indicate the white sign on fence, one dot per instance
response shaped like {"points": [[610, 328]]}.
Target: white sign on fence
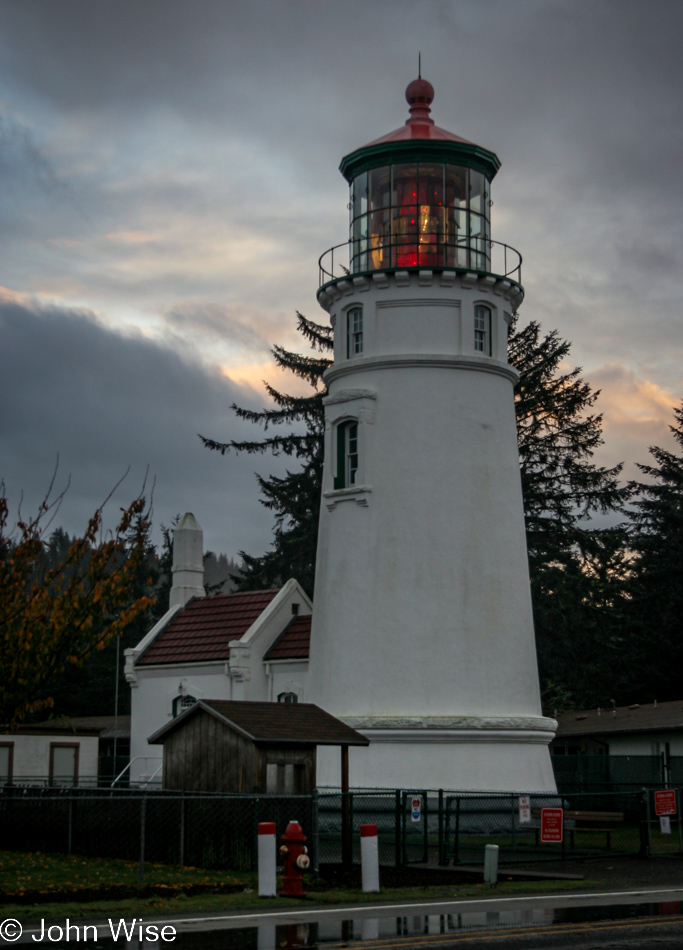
{"points": [[524, 809], [415, 808], [665, 824]]}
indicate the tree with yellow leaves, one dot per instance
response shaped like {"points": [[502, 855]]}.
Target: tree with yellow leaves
{"points": [[56, 615]]}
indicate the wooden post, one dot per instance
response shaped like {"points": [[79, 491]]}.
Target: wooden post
{"points": [[345, 809]]}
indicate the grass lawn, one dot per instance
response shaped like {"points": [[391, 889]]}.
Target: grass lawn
{"points": [[24, 874]]}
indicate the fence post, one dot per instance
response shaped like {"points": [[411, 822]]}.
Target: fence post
{"points": [[71, 821], [254, 850], [456, 843], [677, 793], [425, 857], [182, 830], [143, 809], [512, 820], [645, 825], [315, 832], [442, 845], [404, 829], [397, 828]]}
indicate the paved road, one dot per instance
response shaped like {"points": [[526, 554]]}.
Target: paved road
{"points": [[650, 919]]}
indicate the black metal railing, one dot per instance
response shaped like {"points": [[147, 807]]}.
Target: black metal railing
{"points": [[477, 254]]}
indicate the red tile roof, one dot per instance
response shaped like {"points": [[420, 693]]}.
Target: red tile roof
{"points": [[205, 628], [294, 641]]}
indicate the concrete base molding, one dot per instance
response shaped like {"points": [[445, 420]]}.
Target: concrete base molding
{"points": [[454, 723]]}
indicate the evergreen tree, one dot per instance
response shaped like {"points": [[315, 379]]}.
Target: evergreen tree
{"points": [[295, 497], [578, 574], [656, 642]]}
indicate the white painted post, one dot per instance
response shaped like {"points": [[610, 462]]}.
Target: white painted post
{"points": [[369, 859], [491, 864], [267, 885]]}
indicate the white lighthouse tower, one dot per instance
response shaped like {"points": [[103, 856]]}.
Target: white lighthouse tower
{"points": [[423, 633]]}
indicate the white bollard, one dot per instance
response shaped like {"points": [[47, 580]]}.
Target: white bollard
{"points": [[369, 859], [267, 885], [491, 864]]}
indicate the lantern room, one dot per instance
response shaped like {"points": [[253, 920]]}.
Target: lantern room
{"points": [[419, 214], [420, 197]]}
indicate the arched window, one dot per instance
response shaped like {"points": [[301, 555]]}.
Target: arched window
{"points": [[482, 329], [347, 454], [354, 332], [287, 698], [181, 703]]}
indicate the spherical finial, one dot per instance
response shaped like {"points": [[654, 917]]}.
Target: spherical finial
{"points": [[419, 91]]}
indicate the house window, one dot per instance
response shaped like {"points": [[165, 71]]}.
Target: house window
{"points": [[347, 454], [482, 330], [64, 763], [354, 332], [6, 761], [295, 610], [181, 703], [287, 698]]}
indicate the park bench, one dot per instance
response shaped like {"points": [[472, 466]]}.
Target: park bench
{"points": [[587, 821]]}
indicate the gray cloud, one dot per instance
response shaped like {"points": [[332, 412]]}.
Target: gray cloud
{"points": [[198, 144], [105, 402]]}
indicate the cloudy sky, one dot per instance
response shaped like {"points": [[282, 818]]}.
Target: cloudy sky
{"points": [[169, 178]]}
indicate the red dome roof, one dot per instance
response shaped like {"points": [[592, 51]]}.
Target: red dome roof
{"points": [[419, 95]]}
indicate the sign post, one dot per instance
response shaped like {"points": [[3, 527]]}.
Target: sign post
{"points": [[552, 825], [525, 809]]}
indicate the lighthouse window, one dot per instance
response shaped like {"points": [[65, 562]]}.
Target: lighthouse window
{"points": [[354, 334], [482, 330], [347, 454]]}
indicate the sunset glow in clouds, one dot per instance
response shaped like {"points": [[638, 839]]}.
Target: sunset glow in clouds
{"points": [[169, 178]]}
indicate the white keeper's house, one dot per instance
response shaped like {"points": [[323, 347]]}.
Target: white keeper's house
{"points": [[240, 646]]}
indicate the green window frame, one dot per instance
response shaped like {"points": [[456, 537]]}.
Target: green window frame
{"points": [[482, 329], [354, 332], [347, 454]]}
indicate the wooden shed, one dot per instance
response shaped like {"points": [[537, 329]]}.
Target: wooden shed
{"points": [[226, 746]]}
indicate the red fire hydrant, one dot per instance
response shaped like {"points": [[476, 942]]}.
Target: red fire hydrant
{"points": [[296, 860]]}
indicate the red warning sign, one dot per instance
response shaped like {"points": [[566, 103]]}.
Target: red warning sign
{"points": [[665, 802], [552, 824]]}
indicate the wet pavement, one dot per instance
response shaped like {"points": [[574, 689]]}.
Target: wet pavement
{"points": [[641, 918]]}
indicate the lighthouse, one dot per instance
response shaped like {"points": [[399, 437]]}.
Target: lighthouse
{"points": [[423, 633]]}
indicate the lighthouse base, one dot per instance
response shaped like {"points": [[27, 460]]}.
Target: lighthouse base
{"points": [[498, 755]]}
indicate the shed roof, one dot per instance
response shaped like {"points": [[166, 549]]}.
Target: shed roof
{"points": [[294, 641], [206, 627], [635, 718], [300, 723]]}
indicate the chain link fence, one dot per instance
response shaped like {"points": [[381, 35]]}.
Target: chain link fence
{"points": [[422, 826], [616, 773], [196, 830]]}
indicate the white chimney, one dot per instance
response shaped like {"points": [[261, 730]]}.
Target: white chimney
{"points": [[188, 561]]}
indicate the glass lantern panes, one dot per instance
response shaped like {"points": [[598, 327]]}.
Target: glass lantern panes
{"points": [[425, 214]]}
